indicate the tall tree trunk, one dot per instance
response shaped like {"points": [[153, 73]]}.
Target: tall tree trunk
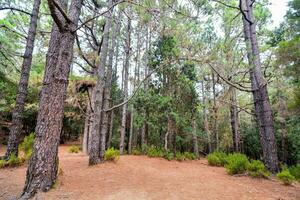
{"points": [[195, 139], [110, 129], [126, 68], [215, 111], [87, 125], [17, 115], [262, 106], [205, 120], [97, 141], [43, 165], [234, 119]]}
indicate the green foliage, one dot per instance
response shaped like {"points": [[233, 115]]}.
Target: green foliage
{"points": [[295, 171], [155, 152], [257, 169], [286, 177], [169, 155], [217, 158], [13, 161], [2, 163], [27, 146], [112, 154], [179, 156], [236, 163], [136, 152], [189, 156], [74, 149]]}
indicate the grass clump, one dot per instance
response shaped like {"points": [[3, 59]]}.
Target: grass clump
{"points": [[112, 154], [179, 156], [236, 163], [169, 155], [286, 177], [13, 161], [2, 163], [189, 156], [27, 146], [155, 152], [74, 149], [136, 152], [257, 169], [295, 171], [217, 158]]}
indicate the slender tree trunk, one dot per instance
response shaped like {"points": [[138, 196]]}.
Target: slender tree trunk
{"points": [[17, 115], [87, 125], [107, 92], [205, 120], [110, 129], [96, 152], [195, 139], [43, 165], [262, 105], [235, 129], [130, 132], [215, 112], [126, 68]]}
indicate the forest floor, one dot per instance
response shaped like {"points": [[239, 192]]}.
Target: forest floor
{"points": [[143, 178]]}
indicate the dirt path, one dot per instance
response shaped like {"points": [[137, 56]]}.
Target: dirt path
{"points": [[143, 178]]}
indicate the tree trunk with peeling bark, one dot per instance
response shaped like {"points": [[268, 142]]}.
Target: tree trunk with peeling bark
{"points": [[43, 165], [262, 105], [17, 115]]}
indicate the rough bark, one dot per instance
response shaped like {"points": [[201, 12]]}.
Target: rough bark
{"points": [[126, 74], [107, 92], [234, 120], [262, 105], [95, 150], [195, 139], [17, 115], [43, 165]]}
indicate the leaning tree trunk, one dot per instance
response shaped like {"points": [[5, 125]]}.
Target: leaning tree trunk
{"points": [[17, 115], [126, 68], [43, 165], [94, 157], [234, 119], [262, 105]]}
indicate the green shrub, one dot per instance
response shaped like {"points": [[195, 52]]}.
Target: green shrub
{"points": [[74, 149], [257, 169], [136, 152], [236, 163], [189, 156], [169, 155], [155, 152], [179, 156], [112, 154], [217, 158], [145, 149], [13, 161], [27, 145], [2, 163], [286, 177], [295, 171]]}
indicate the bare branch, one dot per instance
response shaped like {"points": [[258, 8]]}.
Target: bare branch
{"points": [[15, 9]]}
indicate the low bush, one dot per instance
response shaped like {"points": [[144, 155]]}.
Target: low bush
{"points": [[295, 171], [27, 145], [257, 169], [144, 149], [136, 152], [189, 156], [155, 152], [112, 154], [179, 156], [13, 161], [286, 177], [169, 155], [74, 149], [217, 158], [2, 163], [236, 163]]}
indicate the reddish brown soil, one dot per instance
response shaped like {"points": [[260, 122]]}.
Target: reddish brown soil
{"points": [[141, 178]]}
